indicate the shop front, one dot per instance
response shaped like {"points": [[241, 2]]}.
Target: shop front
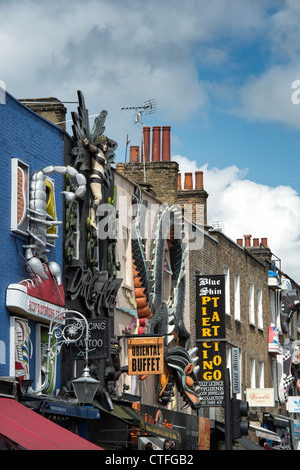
{"points": [[160, 426], [283, 427], [134, 426]]}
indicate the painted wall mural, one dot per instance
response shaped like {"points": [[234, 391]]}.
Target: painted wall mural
{"points": [[157, 315]]}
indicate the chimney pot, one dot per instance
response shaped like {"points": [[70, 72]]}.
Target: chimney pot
{"points": [[199, 179], [264, 241], [134, 153], [239, 241], [146, 131], [179, 182], [247, 240], [188, 181], [255, 241], [156, 144], [166, 143]]}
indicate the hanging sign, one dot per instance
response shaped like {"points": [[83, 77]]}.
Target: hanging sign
{"points": [[211, 337], [145, 355], [98, 341], [236, 383]]}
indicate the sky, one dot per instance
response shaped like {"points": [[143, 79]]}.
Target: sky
{"points": [[224, 74]]}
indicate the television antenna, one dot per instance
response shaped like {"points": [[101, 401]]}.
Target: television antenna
{"points": [[148, 108]]}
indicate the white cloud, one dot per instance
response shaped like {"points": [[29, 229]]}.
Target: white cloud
{"points": [[121, 53], [269, 97], [245, 207]]}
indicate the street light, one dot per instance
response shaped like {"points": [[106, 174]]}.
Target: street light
{"points": [[85, 386]]}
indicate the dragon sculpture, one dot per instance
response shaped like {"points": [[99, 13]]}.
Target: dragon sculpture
{"points": [[157, 316]]}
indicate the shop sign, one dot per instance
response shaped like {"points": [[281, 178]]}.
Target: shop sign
{"points": [[145, 355], [183, 429], [293, 404], [97, 342], [20, 303], [297, 429], [211, 337], [260, 397], [236, 383]]}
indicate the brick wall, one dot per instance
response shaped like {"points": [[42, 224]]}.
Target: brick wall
{"points": [[49, 108], [161, 176]]}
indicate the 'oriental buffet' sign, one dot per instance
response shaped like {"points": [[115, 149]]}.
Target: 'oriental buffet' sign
{"points": [[145, 355], [210, 337]]}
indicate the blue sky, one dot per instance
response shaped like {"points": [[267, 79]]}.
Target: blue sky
{"points": [[220, 71]]}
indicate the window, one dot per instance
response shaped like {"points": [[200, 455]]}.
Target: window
{"points": [[227, 290], [42, 337], [273, 306], [259, 309], [21, 348], [124, 256], [251, 305], [261, 372], [274, 378], [51, 209], [19, 196], [237, 299], [252, 374]]}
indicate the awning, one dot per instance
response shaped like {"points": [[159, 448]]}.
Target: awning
{"points": [[64, 409], [122, 412], [265, 433], [34, 432], [248, 444]]}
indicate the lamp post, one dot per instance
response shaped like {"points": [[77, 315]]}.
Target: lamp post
{"points": [[85, 386]]}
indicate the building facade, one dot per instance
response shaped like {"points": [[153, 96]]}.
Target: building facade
{"points": [[259, 298]]}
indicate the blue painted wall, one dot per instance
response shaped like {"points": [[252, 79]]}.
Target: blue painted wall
{"points": [[32, 139]]}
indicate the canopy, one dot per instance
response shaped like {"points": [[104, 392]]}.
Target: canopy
{"points": [[34, 432], [265, 433]]}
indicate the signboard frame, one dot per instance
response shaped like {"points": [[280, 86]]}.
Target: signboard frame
{"points": [[98, 346], [211, 337], [145, 355], [260, 397]]}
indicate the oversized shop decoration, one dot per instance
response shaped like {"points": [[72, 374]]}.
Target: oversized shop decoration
{"points": [[290, 303], [90, 239], [92, 266], [155, 316], [42, 294]]}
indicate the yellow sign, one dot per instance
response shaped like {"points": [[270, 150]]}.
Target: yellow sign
{"points": [[145, 355]]}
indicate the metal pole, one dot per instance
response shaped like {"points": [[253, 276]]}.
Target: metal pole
{"points": [[143, 148], [228, 428]]}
